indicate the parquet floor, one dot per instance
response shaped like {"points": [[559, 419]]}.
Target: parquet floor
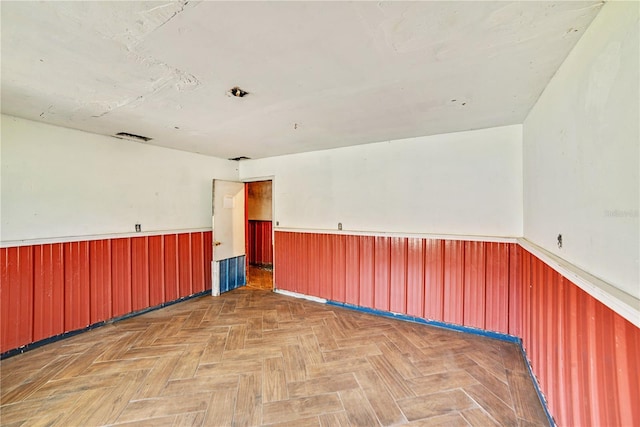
{"points": [[252, 357]]}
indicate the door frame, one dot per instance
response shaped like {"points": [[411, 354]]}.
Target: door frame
{"points": [[215, 264], [271, 178]]}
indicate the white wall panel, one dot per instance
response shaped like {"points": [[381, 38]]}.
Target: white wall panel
{"points": [[466, 183], [582, 156], [59, 182]]}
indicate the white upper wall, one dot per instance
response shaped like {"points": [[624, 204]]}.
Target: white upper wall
{"points": [[466, 183], [59, 183], [581, 153]]}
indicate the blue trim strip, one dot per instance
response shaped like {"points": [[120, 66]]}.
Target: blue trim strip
{"points": [[552, 422], [450, 326], [70, 334], [458, 328]]}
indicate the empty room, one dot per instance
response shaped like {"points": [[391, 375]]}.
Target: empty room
{"points": [[320, 213]]}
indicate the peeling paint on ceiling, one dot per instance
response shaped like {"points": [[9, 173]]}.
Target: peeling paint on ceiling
{"points": [[352, 72]]}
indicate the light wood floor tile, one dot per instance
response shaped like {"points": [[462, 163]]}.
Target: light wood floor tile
{"points": [[336, 419], [322, 385], [274, 383], [358, 409], [436, 404], [254, 357], [384, 405], [303, 407], [478, 417]]}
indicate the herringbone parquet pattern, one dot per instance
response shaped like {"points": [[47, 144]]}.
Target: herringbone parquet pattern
{"points": [[252, 357]]}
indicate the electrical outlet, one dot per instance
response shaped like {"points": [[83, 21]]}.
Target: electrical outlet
{"points": [[559, 241], [138, 228], [339, 226]]}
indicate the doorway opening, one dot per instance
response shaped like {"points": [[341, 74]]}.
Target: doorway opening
{"points": [[259, 232]]}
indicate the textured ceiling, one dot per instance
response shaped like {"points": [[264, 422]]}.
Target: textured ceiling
{"points": [[319, 74]]}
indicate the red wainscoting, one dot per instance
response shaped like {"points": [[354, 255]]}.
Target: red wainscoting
{"points": [[50, 289], [260, 242], [584, 355]]}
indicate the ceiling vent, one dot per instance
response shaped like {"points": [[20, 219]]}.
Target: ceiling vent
{"points": [[132, 137], [237, 159]]}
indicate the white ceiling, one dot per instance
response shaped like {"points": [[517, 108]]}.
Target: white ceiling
{"points": [[320, 74]]}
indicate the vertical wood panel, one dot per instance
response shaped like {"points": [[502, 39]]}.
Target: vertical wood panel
{"points": [[563, 371], [185, 286], [294, 278], [338, 271], [415, 277], [584, 322], [573, 359], [121, 276], [300, 279], [537, 314], [627, 351], [260, 245], [497, 287], [100, 279], [525, 300], [171, 271], [251, 241], [281, 262], [16, 296], [515, 290], [285, 273], [398, 275], [434, 279], [266, 242], [156, 270], [596, 405], [207, 245], [77, 305], [197, 262], [352, 270], [453, 281], [548, 337], [139, 273], [382, 271], [366, 271], [311, 264], [474, 284], [325, 266], [48, 295]]}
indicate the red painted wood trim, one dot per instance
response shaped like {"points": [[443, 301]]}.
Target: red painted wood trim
{"points": [[583, 354], [259, 242], [453, 282], [139, 273], [100, 280], [474, 284], [76, 286], [50, 289]]}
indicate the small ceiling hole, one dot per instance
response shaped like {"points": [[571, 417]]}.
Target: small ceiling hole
{"points": [[237, 92], [132, 137], [237, 159]]}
